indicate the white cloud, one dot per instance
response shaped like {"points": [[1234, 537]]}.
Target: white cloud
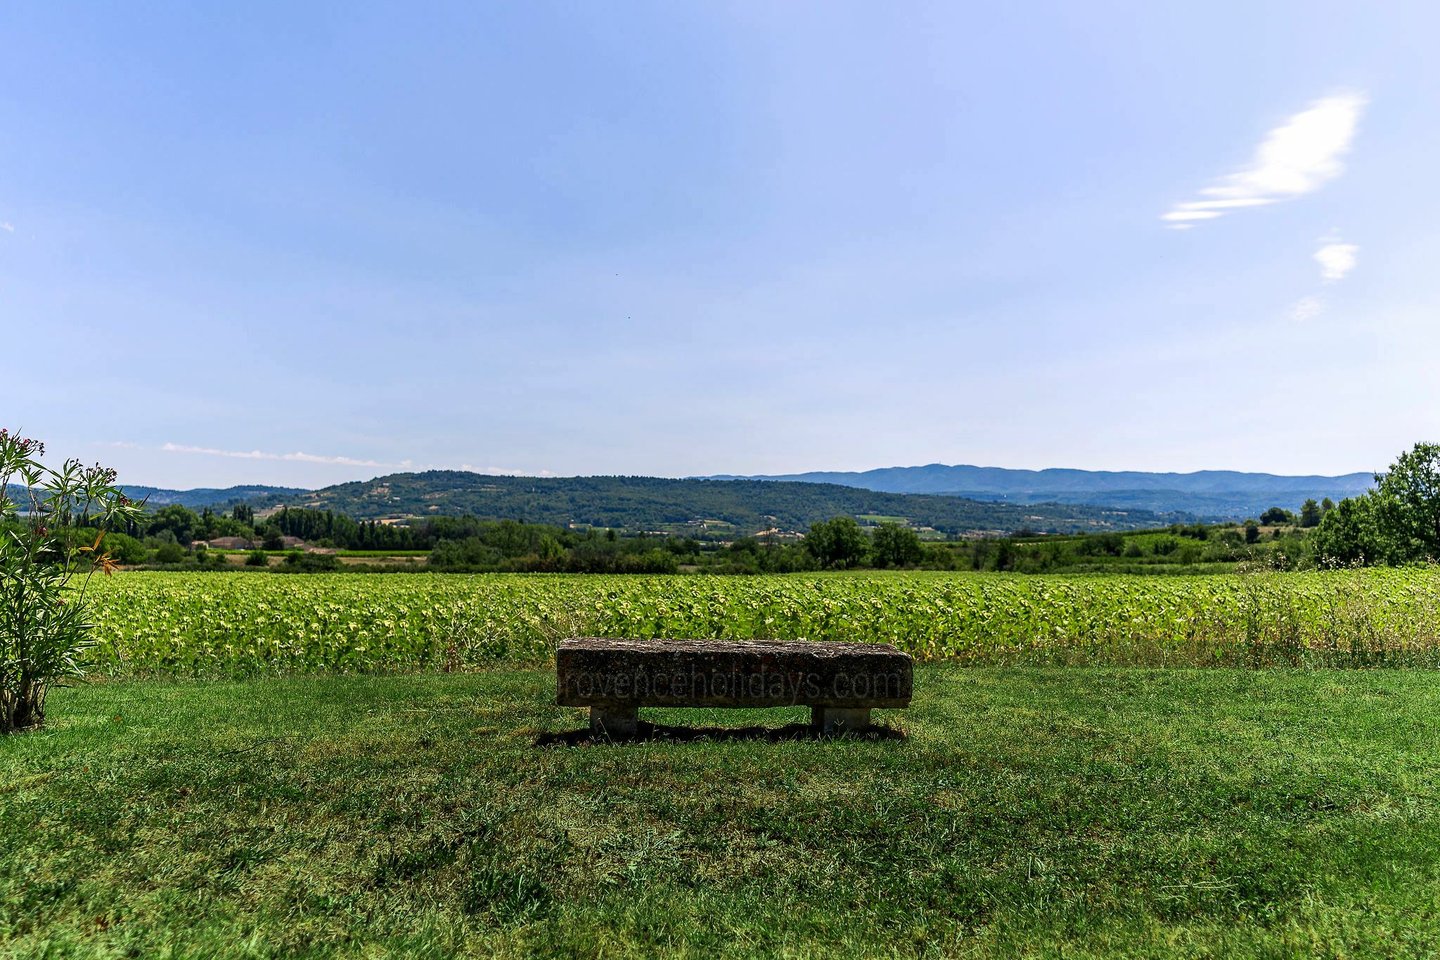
{"points": [[293, 457], [1336, 260], [1296, 158], [1307, 308], [7, 226], [503, 471]]}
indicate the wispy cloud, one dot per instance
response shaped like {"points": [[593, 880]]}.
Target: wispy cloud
{"points": [[336, 460], [1336, 259], [1307, 308], [292, 457], [1296, 158], [7, 226]]}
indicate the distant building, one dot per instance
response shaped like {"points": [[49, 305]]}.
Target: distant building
{"points": [[240, 543], [231, 543]]}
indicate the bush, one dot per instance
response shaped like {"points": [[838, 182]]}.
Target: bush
{"points": [[257, 558], [169, 553], [297, 562], [125, 549], [44, 617]]}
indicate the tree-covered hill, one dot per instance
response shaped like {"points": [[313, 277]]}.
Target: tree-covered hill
{"points": [[723, 507]]}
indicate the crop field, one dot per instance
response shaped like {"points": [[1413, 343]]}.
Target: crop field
{"points": [[239, 625]]}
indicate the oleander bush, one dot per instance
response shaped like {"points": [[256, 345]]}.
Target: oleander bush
{"points": [[51, 543]]}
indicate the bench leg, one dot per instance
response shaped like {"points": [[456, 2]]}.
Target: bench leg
{"points": [[614, 721], [834, 720]]}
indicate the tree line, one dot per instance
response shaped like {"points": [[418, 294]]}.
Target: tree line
{"points": [[1397, 522]]}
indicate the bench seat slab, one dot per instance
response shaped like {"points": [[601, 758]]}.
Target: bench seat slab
{"points": [[604, 673]]}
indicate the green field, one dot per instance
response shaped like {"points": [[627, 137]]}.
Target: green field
{"points": [[230, 791], [1033, 812], [237, 624]]}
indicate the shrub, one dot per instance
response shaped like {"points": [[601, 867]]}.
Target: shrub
{"points": [[44, 615], [297, 562], [169, 553], [125, 549], [257, 558]]}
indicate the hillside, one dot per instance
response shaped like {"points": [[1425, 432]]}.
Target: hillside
{"points": [[216, 498], [697, 507], [1219, 494]]}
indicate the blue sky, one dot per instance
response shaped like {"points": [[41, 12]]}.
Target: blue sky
{"points": [[303, 243]]}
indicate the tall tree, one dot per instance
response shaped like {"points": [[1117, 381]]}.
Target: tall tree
{"points": [[1347, 534], [1408, 504], [895, 545], [1397, 522], [838, 542]]}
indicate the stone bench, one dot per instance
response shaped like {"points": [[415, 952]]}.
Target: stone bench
{"points": [[840, 682]]}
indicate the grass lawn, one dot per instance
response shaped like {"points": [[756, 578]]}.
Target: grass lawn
{"points": [[1072, 813]]}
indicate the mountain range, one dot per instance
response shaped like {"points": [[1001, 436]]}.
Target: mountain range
{"points": [[1214, 494], [954, 500]]}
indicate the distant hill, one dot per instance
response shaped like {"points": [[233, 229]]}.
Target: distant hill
{"points": [[216, 499], [1218, 494], [715, 508]]}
